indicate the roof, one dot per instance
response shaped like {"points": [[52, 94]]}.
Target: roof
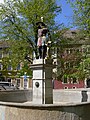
{"points": [[76, 37]]}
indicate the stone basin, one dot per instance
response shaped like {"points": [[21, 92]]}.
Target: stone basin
{"points": [[68, 109]]}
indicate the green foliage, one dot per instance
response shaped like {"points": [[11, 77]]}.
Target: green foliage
{"points": [[82, 14], [18, 50], [25, 68], [69, 60], [19, 18], [18, 25]]}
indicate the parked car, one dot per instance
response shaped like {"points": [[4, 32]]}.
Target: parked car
{"points": [[7, 86]]}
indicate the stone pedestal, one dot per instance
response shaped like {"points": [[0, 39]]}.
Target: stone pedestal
{"points": [[42, 81]]}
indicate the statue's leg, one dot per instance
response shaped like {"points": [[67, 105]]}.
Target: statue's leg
{"points": [[40, 51], [37, 53], [44, 51]]}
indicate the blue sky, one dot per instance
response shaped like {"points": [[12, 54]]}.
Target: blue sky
{"points": [[66, 15]]}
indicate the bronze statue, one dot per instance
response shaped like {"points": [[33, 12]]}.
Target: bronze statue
{"points": [[42, 36]]}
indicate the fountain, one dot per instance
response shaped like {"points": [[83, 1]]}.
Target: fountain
{"points": [[42, 102]]}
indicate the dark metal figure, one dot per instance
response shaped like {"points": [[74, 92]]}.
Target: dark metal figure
{"points": [[42, 32]]}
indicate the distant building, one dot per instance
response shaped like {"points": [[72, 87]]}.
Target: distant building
{"points": [[6, 71], [69, 56], [67, 61]]}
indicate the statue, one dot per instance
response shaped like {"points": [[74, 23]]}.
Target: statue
{"points": [[42, 36]]}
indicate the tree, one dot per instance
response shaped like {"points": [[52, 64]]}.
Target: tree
{"points": [[81, 19], [73, 55], [19, 19], [69, 59], [81, 15], [86, 60], [18, 25]]}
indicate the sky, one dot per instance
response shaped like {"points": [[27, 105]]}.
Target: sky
{"points": [[65, 15]]}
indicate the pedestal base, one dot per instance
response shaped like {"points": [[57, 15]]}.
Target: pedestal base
{"points": [[42, 81]]}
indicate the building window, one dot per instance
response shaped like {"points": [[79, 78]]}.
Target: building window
{"points": [[18, 82], [68, 51], [68, 65], [74, 80], [65, 80], [78, 50], [0, 66], [18, 67], [9, 67], [0, 54], [71, 50], [5, 54]]}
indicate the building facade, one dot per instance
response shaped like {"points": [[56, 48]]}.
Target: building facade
{"points": [[7, 73], [69, 57]]}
